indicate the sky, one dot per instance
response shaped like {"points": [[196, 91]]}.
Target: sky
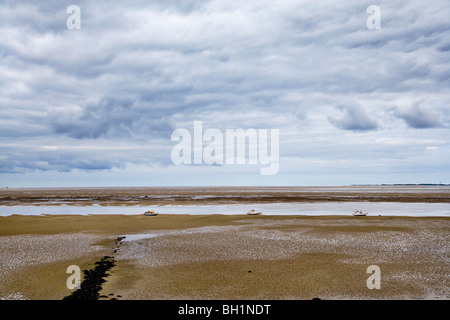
{"points": [[96, 103]]}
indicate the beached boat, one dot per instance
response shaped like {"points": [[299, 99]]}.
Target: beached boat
{"points": [[253, 212], [360, 213], [150, 213]]}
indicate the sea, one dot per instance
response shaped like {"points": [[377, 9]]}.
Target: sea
{"points": [[309, 208]]}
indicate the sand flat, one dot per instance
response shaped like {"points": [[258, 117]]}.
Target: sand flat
{"points": [[148, 196], [230, 256]]}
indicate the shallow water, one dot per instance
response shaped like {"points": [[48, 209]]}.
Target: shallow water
{"points": [[311, 209]]}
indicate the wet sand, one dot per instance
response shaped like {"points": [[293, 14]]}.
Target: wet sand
{"points": [[228, 256]]}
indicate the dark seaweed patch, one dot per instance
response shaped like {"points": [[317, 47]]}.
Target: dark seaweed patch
{"points": [[93, 280]]}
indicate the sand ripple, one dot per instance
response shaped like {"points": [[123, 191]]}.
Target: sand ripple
{"points": [[22, 251]]}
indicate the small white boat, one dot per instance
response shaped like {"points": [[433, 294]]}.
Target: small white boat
{"points": [[150, 213], [360, 213], [253, 212]]}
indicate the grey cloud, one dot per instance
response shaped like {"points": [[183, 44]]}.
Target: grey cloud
{"points": [[138, 70], [111, 118], [420, 116], [61, 162], [353, 117], [35, 16], [444, 47], [403, 27]]}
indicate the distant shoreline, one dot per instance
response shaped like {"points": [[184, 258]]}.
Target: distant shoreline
{"points": [[213, 186], [404, 184]]}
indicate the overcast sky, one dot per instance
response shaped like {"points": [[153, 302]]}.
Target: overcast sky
{"points": [[96, 106]]}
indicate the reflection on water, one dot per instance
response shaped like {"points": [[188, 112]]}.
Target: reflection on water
{"points": [[314, 208], [133, 237]]}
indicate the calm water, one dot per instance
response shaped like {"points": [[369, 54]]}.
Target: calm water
{"points": [[56, 202], [315, 208]]}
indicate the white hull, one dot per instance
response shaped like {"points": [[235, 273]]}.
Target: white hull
{"points": [[360, 213]]}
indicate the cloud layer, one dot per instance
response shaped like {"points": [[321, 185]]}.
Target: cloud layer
{"points": [[108, 96]]}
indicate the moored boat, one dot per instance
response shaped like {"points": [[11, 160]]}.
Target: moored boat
{"points": [[150, 213]]}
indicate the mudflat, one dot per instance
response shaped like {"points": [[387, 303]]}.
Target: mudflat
{"points": [[228, 256], [149, 196]]}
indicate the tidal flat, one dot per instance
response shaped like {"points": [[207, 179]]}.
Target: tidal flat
{"points": [[228, 256]]}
